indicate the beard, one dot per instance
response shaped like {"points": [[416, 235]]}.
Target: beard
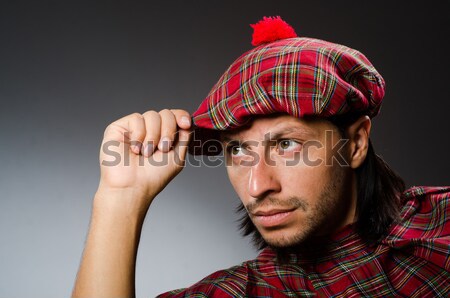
{"points": [[321, 218]]}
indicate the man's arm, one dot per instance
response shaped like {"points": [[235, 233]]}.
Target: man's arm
{"points": [[131, 176]]}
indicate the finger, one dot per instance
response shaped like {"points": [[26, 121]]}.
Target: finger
{"points": [[137, 130], [183, 118], [182, 145], [168, 130], [153, 132], [131, 130]]}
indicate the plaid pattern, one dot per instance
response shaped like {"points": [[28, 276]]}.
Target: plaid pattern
{"points": [[412, 261], [298, 76]]}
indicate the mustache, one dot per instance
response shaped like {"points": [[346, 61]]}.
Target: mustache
{"points": [[290, 203]]}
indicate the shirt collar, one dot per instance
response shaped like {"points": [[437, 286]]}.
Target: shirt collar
{"points": [[338, 245]]}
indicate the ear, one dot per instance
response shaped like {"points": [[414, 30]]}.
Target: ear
{"points": [[358, 134]]}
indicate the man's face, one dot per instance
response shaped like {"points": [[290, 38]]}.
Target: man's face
{"points": [[283, 170]]}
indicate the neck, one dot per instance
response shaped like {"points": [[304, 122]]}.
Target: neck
{"points": [[318, 247]]}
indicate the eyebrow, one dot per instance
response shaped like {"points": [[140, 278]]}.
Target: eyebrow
{"points": [[296, 130], [278, 133]]}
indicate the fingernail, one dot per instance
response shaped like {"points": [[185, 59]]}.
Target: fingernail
{"points": [[136, 148], [148, 150], [185, 120], [164, 144]]}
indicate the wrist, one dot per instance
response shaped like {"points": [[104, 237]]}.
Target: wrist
{"points": [[121, 202]]}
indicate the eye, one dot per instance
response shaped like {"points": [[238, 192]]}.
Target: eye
{"points": [[287, 145], [234, 149]]}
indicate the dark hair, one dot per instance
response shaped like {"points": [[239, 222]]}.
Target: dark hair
{"points": [[379, 190]]}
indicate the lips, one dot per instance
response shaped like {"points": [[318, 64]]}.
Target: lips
{"points": [[270, 212], [273, 217]]}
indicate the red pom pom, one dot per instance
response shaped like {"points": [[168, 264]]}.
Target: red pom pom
{"points": [[270, 29]]}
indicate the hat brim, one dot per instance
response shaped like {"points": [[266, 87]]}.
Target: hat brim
{"points": [[205, 142]]}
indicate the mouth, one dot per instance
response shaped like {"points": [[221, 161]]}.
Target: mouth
{"points": [[272, 218]]}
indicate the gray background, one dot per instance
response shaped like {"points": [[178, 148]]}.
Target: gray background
{"points": [[68, 68]]}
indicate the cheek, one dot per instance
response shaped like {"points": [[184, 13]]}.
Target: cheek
{"points": [[238, 179], [305, 180]]}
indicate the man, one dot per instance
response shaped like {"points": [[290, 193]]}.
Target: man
{"points": [[332, 219]]}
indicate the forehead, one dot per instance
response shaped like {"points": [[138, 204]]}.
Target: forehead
{"points": [[262, 127]]}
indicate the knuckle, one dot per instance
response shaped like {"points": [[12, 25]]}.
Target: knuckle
{"points": [[109, 130], [165, 113], [138, 133], [136, 116], [168, 119], [150, 113]]}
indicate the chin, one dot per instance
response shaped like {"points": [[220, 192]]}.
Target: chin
{"points": [[285, 240]]}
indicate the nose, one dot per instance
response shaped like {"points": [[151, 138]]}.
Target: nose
{"points": [[263, 179]]}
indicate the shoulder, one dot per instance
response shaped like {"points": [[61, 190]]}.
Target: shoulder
{"points": [[231, 282], [439, 192], [223, 283], [424, 227], [420, 202], [424, 209]]}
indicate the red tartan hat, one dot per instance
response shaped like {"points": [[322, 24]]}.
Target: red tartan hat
{"points": [[287, 74]]}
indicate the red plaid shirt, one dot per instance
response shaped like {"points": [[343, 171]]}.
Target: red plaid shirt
{"points": [[412, 261]]}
